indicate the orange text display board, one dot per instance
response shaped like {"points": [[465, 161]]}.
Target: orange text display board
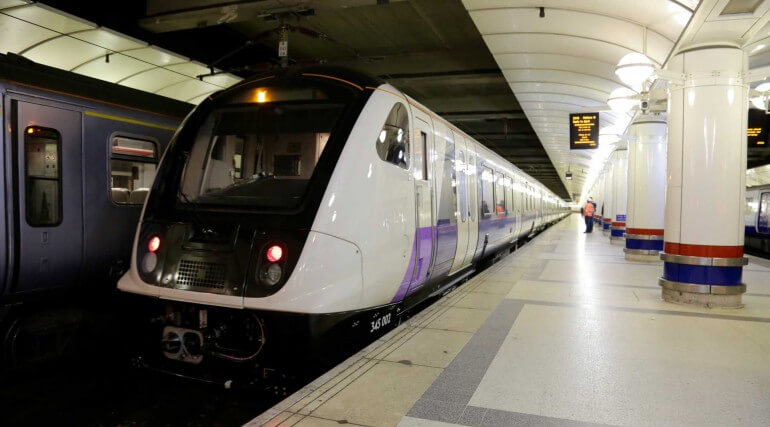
{"points": [[583, 131]]}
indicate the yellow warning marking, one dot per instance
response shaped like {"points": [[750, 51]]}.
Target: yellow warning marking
{"points": [[127, 120]]}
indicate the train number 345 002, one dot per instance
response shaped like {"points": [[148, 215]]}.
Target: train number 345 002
{"points": [[381, 322]]}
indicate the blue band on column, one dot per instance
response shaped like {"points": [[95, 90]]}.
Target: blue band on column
{"points": [[702, 275], [650, 245], [617, 233], [606, 226]]}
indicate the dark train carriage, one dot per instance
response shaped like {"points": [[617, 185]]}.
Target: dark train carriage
{"points": [[79, 156]]}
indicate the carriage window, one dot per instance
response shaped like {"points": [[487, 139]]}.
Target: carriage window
{"points": [[132, 169], [43, 186], [763, 220], [393, 141], [499, 196], [487, 196], [508, 195], [462, 184], [421, 157], [471, 168]]}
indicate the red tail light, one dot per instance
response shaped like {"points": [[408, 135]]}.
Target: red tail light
{"points": [[274, 253], [153, 244]]}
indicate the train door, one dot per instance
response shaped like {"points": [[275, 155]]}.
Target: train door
{"points": [[49, 209], [473, 212], [425, 236], [461, 209]]}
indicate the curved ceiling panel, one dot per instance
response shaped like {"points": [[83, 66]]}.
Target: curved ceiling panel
{"points": [[562, 22], [65, 53], [119, 67], [601, 50], [153, 80], [60, 40], [17, 35], [564, 62], [540, 87], [666, 17], [557, 76], [559, 97]]}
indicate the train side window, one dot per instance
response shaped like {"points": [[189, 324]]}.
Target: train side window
{"points": [[763, 220], [393, 141], [133, 163], [462, 185], [472, 192], [487, 195], [509, 195], [499, 195], [42, 160], [421, 157]]}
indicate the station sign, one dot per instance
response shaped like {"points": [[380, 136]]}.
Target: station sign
{"points": [[583, 131], [756, 133]]}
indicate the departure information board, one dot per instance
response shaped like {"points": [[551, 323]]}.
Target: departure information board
{"points": [[583, 131], [757, 129]]}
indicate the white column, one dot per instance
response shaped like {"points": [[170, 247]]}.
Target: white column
{"points": [[704, 224], [619, 195], [607, 202], [646, 188], [599, 199]]}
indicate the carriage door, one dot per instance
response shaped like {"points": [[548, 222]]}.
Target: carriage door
{"points": [[49, 195], [423, 190], [473, 212], [461, 212]]}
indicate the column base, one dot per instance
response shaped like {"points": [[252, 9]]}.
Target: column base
{"points": [[703, 295], [704, 300], [642, 255]]}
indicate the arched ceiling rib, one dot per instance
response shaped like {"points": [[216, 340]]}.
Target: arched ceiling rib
{"points": [[60, 40], [565, 62]]}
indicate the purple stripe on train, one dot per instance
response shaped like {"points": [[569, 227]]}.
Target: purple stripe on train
{"points": [[417, 270], [446, 245]]}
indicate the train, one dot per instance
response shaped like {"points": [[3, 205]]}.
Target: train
{"points": [[78, 157], [311, 206], [757, 220]]}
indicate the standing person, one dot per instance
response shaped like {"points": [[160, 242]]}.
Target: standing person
{"points": [[588, 214]]}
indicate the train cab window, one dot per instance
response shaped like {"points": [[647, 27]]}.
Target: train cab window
{"points": [[42, 150], [487, 193], [262, 151], [499, 195], [132, 168], [393, 141]]}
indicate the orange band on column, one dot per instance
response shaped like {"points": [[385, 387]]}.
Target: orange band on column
{"points": [[703, 250]]}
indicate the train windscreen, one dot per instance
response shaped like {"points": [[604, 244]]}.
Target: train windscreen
{"points": [[260, 154]]}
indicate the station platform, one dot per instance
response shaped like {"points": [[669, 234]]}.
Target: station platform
{"points": [[564, 331]]}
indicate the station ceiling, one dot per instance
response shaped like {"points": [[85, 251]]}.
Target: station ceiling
{"points": [[495, 68], [430, 49]]}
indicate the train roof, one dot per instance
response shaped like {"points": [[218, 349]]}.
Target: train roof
{"points": [[19, 70], [344, 74]]}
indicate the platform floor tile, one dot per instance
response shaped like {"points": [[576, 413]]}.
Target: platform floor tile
{"points": [[564, 332]]}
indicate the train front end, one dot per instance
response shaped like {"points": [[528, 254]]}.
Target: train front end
{"points": [[229, 219]]}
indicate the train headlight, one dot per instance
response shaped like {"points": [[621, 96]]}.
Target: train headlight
{"points": [[149, 262], [271, 274]]}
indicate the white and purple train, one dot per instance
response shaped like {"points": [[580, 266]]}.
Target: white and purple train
{"points": [[315, 203]]}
